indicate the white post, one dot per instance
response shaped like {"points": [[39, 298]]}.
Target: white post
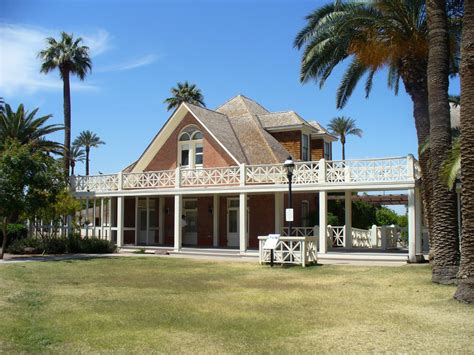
{"points": [[243, 222], [120, 180], [419, 223], [348, 219], [411, 226], [94, 216], [102, 236], [373, 235], [161, 220], [120, 220], [215, 220], [87, 217], [242, 174], [383, 238], [177, 176], [147, 220], [136, 220], [411, 166], [178, 231], [322, 171], [278, 212], [323, 203]]}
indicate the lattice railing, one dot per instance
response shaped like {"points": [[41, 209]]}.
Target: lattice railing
{"points": [[361, 238], [396, 237], [265, 174], [149, 179], [97, 183], [210, 177], [301, 231], [336, 235], [291, 250]]}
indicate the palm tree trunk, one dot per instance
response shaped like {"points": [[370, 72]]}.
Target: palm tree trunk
{"points": [[87, 160], [343, 151], [443, 203], [67, 119], [465, 290], [73, 164]]}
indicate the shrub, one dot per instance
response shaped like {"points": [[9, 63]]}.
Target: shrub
{"points": [[15, 231], [74, 244]]}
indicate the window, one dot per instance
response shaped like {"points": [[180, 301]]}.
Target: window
{"points": [[327, 151], [305, 147], [190, 148], [305, 213]]}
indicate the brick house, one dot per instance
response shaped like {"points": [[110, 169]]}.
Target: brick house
{"points": [[214, 178]]}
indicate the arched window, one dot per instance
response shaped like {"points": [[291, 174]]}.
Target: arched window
{"points": [[190, 148]]}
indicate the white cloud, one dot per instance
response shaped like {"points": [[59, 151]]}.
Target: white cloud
{"points": [[19, 65], [136, 63]]}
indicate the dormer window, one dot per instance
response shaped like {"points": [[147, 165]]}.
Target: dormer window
{"points": [[190, 148]]}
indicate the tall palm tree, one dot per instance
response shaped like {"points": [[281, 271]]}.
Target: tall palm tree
{"points": [[77, 155], [445, 245], [374, 35], [465, 290], [69, 57], [342, 127], [2, 105], [87, 140], [24, 127], [185, 92]]}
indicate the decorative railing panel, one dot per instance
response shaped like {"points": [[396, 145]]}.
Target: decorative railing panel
{"points": [[291, 250], [361, 238], [396, 237], [97, 183], [149, 179], [301, 231], [210, 177], [304, 173], [336, 235]]}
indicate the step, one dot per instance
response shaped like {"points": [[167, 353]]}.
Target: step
{"points": [[376, 257]]}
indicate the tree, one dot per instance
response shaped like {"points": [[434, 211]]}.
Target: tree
{"points": [[69, 57], [77, 155], [29, 180], [28, 129], [87, 140], [445, 240], [2, 105], [374, 35], [184, 92], [465, 290], [342, 127]]}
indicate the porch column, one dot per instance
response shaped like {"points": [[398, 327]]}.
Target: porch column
{"points": [[412, 227], [94, 216], [323, 205], [136, 220], [161, 220], [278, 212], [348, 219], [87, 217], [178, 231], [120, 219], [243, 222], [147, 220], [102, 236], [215, 221]]}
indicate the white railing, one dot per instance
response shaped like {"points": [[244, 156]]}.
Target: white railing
{"points": [[304, 173], [396, 237], [290, 250], [362, 238], [210, 177], [336, 235], [301, 231], [149, 179], [96, 183]]}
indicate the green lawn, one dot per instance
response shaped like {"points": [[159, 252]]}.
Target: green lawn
{"points": [[143, 304]]}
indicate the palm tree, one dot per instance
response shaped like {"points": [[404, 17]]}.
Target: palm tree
{"points": [[24, 127], [465, 290], [342, 127], [2, 105], [77, 155], [88, 140], [375, 35], [444, 225], [69, 57], [185, 92]]}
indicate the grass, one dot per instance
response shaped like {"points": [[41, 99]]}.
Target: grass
{"points": [[137, 304]]}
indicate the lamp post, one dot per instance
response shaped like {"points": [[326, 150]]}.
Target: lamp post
{"points": [[289, 165]]}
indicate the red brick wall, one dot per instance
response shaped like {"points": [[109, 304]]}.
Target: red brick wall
{"points": [[205, 222], [261, 217], [214, 154], [291, 141], [298, 198]]}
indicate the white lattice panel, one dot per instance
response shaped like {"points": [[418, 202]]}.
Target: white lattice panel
{"points": [[149, 179], [266, 174], [336, 235], [97, 183], [361, 238], [210, 177]]}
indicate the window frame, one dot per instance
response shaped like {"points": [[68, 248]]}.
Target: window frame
{"points": [[306, 149], [191, 145]]}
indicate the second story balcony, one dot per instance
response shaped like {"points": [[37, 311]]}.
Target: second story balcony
{"points": [[363, 172]]}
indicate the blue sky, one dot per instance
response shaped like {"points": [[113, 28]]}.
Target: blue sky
{"points": [[140, 49]]}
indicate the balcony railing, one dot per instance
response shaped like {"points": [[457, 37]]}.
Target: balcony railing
{"points": [[366, 171]]}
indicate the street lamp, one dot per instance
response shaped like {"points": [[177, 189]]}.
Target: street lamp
{"points": [[289, 165]]}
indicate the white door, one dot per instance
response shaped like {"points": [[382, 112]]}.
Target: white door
{"points": [[190, 216]]}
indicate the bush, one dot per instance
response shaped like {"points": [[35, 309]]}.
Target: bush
{"points": [[15, 231], [63, 245]]}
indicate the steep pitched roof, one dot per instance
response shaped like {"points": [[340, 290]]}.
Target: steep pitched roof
{"points": [[258, 145]]}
